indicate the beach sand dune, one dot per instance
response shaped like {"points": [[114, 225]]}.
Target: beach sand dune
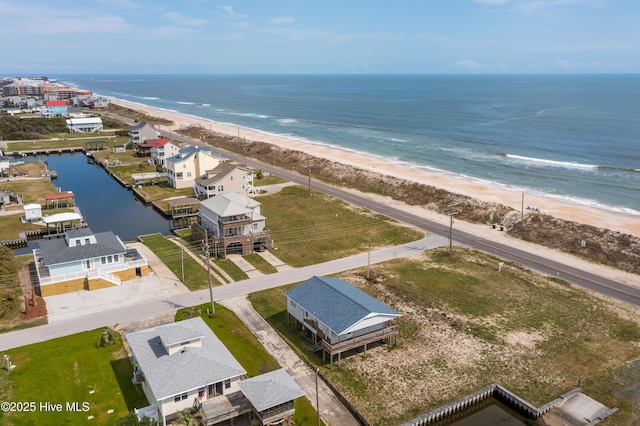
{"points": [[580, 213]]}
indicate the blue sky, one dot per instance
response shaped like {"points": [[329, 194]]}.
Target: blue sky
{"points": [[323, 37]]}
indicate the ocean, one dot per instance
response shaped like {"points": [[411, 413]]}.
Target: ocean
{"points": [[571, 137]]}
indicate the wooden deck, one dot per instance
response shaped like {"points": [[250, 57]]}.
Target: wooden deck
{"points": [[361, 341], [225, 407]]}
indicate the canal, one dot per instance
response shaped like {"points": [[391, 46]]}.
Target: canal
{"points": [[105, 204]]}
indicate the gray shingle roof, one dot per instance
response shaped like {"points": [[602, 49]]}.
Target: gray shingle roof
{"points": [[187, 152], [218, 172], [56, 250], [228, 204], [336, 303], [270, 389], [188, 369]]}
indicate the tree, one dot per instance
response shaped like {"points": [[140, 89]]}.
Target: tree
{"points": [[190, 417], [131, 419]]}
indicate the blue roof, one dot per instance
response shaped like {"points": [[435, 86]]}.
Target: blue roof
{"points": [[336, 303], [188, 152]]}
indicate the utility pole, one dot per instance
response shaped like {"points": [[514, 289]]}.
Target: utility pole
{"points": [[206, 244], [244, 148], [369, 260], [318, 397], [522, 212], [451, 213], [309, 173]]}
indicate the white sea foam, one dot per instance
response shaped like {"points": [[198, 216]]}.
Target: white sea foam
{"points": [[206, 105], [541, 162], [149, 98], [185, 103], [286, 121]]}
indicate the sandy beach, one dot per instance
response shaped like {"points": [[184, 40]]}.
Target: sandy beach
{"points": [[590, 215]]}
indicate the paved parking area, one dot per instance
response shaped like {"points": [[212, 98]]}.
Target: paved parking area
{"points": [[159, 284]]}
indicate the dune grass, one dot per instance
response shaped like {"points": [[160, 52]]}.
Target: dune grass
{"points": [[465, 325]]}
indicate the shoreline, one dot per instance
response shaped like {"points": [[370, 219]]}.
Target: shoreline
{"points": [[624, 222]]}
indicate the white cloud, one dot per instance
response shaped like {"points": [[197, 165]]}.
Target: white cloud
{"points": [[468, 63], [179, 19], [563, 63], [229, 10], [282, 20]]}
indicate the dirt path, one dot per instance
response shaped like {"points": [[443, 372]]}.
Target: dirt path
{"points": [[332, 411]]}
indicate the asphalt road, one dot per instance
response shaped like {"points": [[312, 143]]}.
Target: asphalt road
{"points": [[541, 264], [154, 307], [544, 265]]}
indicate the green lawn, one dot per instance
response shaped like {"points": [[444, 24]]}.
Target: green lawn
{"points": [[32, 191], [67, 370], [248, 350], [260, 264], [309, 230], [567, 337], [162, 191], [195, 276]]}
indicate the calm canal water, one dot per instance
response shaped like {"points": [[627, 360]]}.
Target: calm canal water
{"points": [[104, 203]]}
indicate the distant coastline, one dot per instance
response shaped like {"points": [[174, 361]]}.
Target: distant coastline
{"points": [[568, 138], [605, 218]]}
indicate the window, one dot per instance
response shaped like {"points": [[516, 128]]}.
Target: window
{"points": [[220, 188], [255, 225], [179, 175], [115, 257], [188, 174], [77, 242], [231, 178], [103, 260], [109, 259], [86, 241], [227, 383], [184, 166], [179, 398]]}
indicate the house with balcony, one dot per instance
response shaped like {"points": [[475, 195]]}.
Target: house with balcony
{"points": [[84, 260], [144, 149], [141, 132], [339, 316], [225, 177], [184, 364], [189, 164], [84, 125], [232, 224], [54, 109], [160, 152]]}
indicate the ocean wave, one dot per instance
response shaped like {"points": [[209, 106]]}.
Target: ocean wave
{"points": [[248, 114], [149, 98], [286, 121], [541, 162], [206, 105], [185, 103]]}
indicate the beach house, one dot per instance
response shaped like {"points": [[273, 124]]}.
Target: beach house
{"points": [[84, 260], [189, 164], [232, 224], [225, 177], [141, 132], [84, 125], [183, 365], [340, 316], [54, 109]]}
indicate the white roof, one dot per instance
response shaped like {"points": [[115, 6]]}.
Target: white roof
{"points": [[88, 120], [187, 369], [61, 217], [32, 206]]}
